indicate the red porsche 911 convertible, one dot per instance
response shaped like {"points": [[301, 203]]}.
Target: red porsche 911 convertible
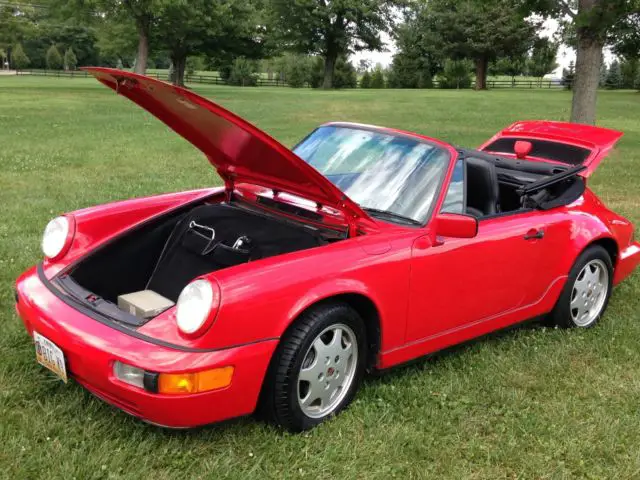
{"points": [[360, 249]]}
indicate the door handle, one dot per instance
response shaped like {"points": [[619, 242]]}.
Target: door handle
{"points": [[534, 234]]}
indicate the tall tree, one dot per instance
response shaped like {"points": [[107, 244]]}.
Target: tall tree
{"points": [[543, 58], [70, 60], [480, 30], [614, 77], [594, 23], [54, 59], [630, 70], [626, 40], [332, 28], [417, 60], [604, 71], [17, 22], [20, 59], [512, 66], [143, 13], [568, 75], [215, 27]]}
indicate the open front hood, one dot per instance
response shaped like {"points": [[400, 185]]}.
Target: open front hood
{"points": [[239, 151], [592, 144]]}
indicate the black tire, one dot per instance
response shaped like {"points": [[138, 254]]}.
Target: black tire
{"points": [[279, 400], [561, 315]]}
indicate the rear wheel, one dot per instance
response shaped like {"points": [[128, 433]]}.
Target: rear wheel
{"points": [[586, 295], [317, 368]]}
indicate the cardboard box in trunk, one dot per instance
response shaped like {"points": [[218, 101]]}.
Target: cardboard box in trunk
{"points": [[144, 304]]}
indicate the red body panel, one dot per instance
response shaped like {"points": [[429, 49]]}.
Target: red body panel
{"points": [[239, 151], [91, 348], [415, 280], [429, 291], [597, 139]]}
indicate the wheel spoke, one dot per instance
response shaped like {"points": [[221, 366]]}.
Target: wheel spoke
{"points": [[335, 346], [320, 347], [325, 395], [310, 374], [576, 299]]}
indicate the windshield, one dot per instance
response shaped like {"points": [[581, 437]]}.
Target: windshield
{"points": [[383, 173]]}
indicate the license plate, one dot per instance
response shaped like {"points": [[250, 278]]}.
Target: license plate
{"points": [[49, 355]]}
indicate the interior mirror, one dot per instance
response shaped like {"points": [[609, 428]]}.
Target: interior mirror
{"points": [[456, 225]]}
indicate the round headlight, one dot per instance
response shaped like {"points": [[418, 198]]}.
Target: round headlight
{"points": [[56, 237], [195, 306]]}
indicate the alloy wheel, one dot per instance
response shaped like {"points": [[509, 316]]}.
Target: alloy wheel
{"points": [[589, 293], [327, 371]]}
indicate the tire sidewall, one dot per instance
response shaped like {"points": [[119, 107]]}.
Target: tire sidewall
{"points": [[562, 312]]}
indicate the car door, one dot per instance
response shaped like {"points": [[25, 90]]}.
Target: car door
{"points": [[457, 282]]}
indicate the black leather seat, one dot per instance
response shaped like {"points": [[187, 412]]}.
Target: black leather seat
{"points": [[483, 191]]}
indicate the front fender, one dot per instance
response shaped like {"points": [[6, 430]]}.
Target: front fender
{"points": [[328, 289], [260, 299], [97, 225]]}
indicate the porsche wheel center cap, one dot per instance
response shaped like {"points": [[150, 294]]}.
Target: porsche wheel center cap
{"points": [[330, 371]]}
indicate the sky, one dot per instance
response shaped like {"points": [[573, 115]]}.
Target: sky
{"points": [[565, 53]]}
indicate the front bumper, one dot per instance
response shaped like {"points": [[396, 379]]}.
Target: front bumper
{"points": [[90, 348], [628, 261]]}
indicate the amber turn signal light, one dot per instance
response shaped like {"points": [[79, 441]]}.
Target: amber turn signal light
{"points": [[195, 382]]}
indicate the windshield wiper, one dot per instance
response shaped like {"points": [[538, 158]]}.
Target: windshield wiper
{"points": [[387, 215]]}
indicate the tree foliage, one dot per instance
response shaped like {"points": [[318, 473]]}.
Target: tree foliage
{"points": [[377, 77], [345, 75], [243, 73], [297, 70], [70, 60], [365, 81], [630, 72], [480, 30], [20, 59], [416, 61], [590, 25], [568, 76], [614, 77], [455, 74], [331, 29], [54, 59], [223, 28], [511, 66], [543, 58]]}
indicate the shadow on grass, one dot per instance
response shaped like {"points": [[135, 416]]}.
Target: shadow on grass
{"points": [[446, 354]]}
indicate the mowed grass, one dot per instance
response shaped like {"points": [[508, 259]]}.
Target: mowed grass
{"points": [[529, 403]]}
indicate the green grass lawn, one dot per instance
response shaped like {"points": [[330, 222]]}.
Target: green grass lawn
{"points": [[530, 403]]}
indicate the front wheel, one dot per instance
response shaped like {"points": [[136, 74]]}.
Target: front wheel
{"points": [[586, 295], [317, 368]]}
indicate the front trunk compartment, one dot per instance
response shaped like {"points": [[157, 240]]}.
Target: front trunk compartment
{"points": [[165, 254]]}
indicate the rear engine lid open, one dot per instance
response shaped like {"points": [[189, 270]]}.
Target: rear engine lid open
{"points": [[560, 142]]}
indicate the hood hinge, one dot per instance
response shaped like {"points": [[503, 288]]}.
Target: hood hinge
{"points": [[229, 186]]}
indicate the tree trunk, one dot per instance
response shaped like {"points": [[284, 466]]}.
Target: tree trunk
{"points": [[329, 68], [586, 79], [143, 48], [482, 64], [179, 64]]}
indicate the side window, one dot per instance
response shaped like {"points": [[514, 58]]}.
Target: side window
{"points": [[454, 200]]}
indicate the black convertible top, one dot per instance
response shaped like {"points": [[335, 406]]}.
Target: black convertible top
{"points": [[541, 168]]}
